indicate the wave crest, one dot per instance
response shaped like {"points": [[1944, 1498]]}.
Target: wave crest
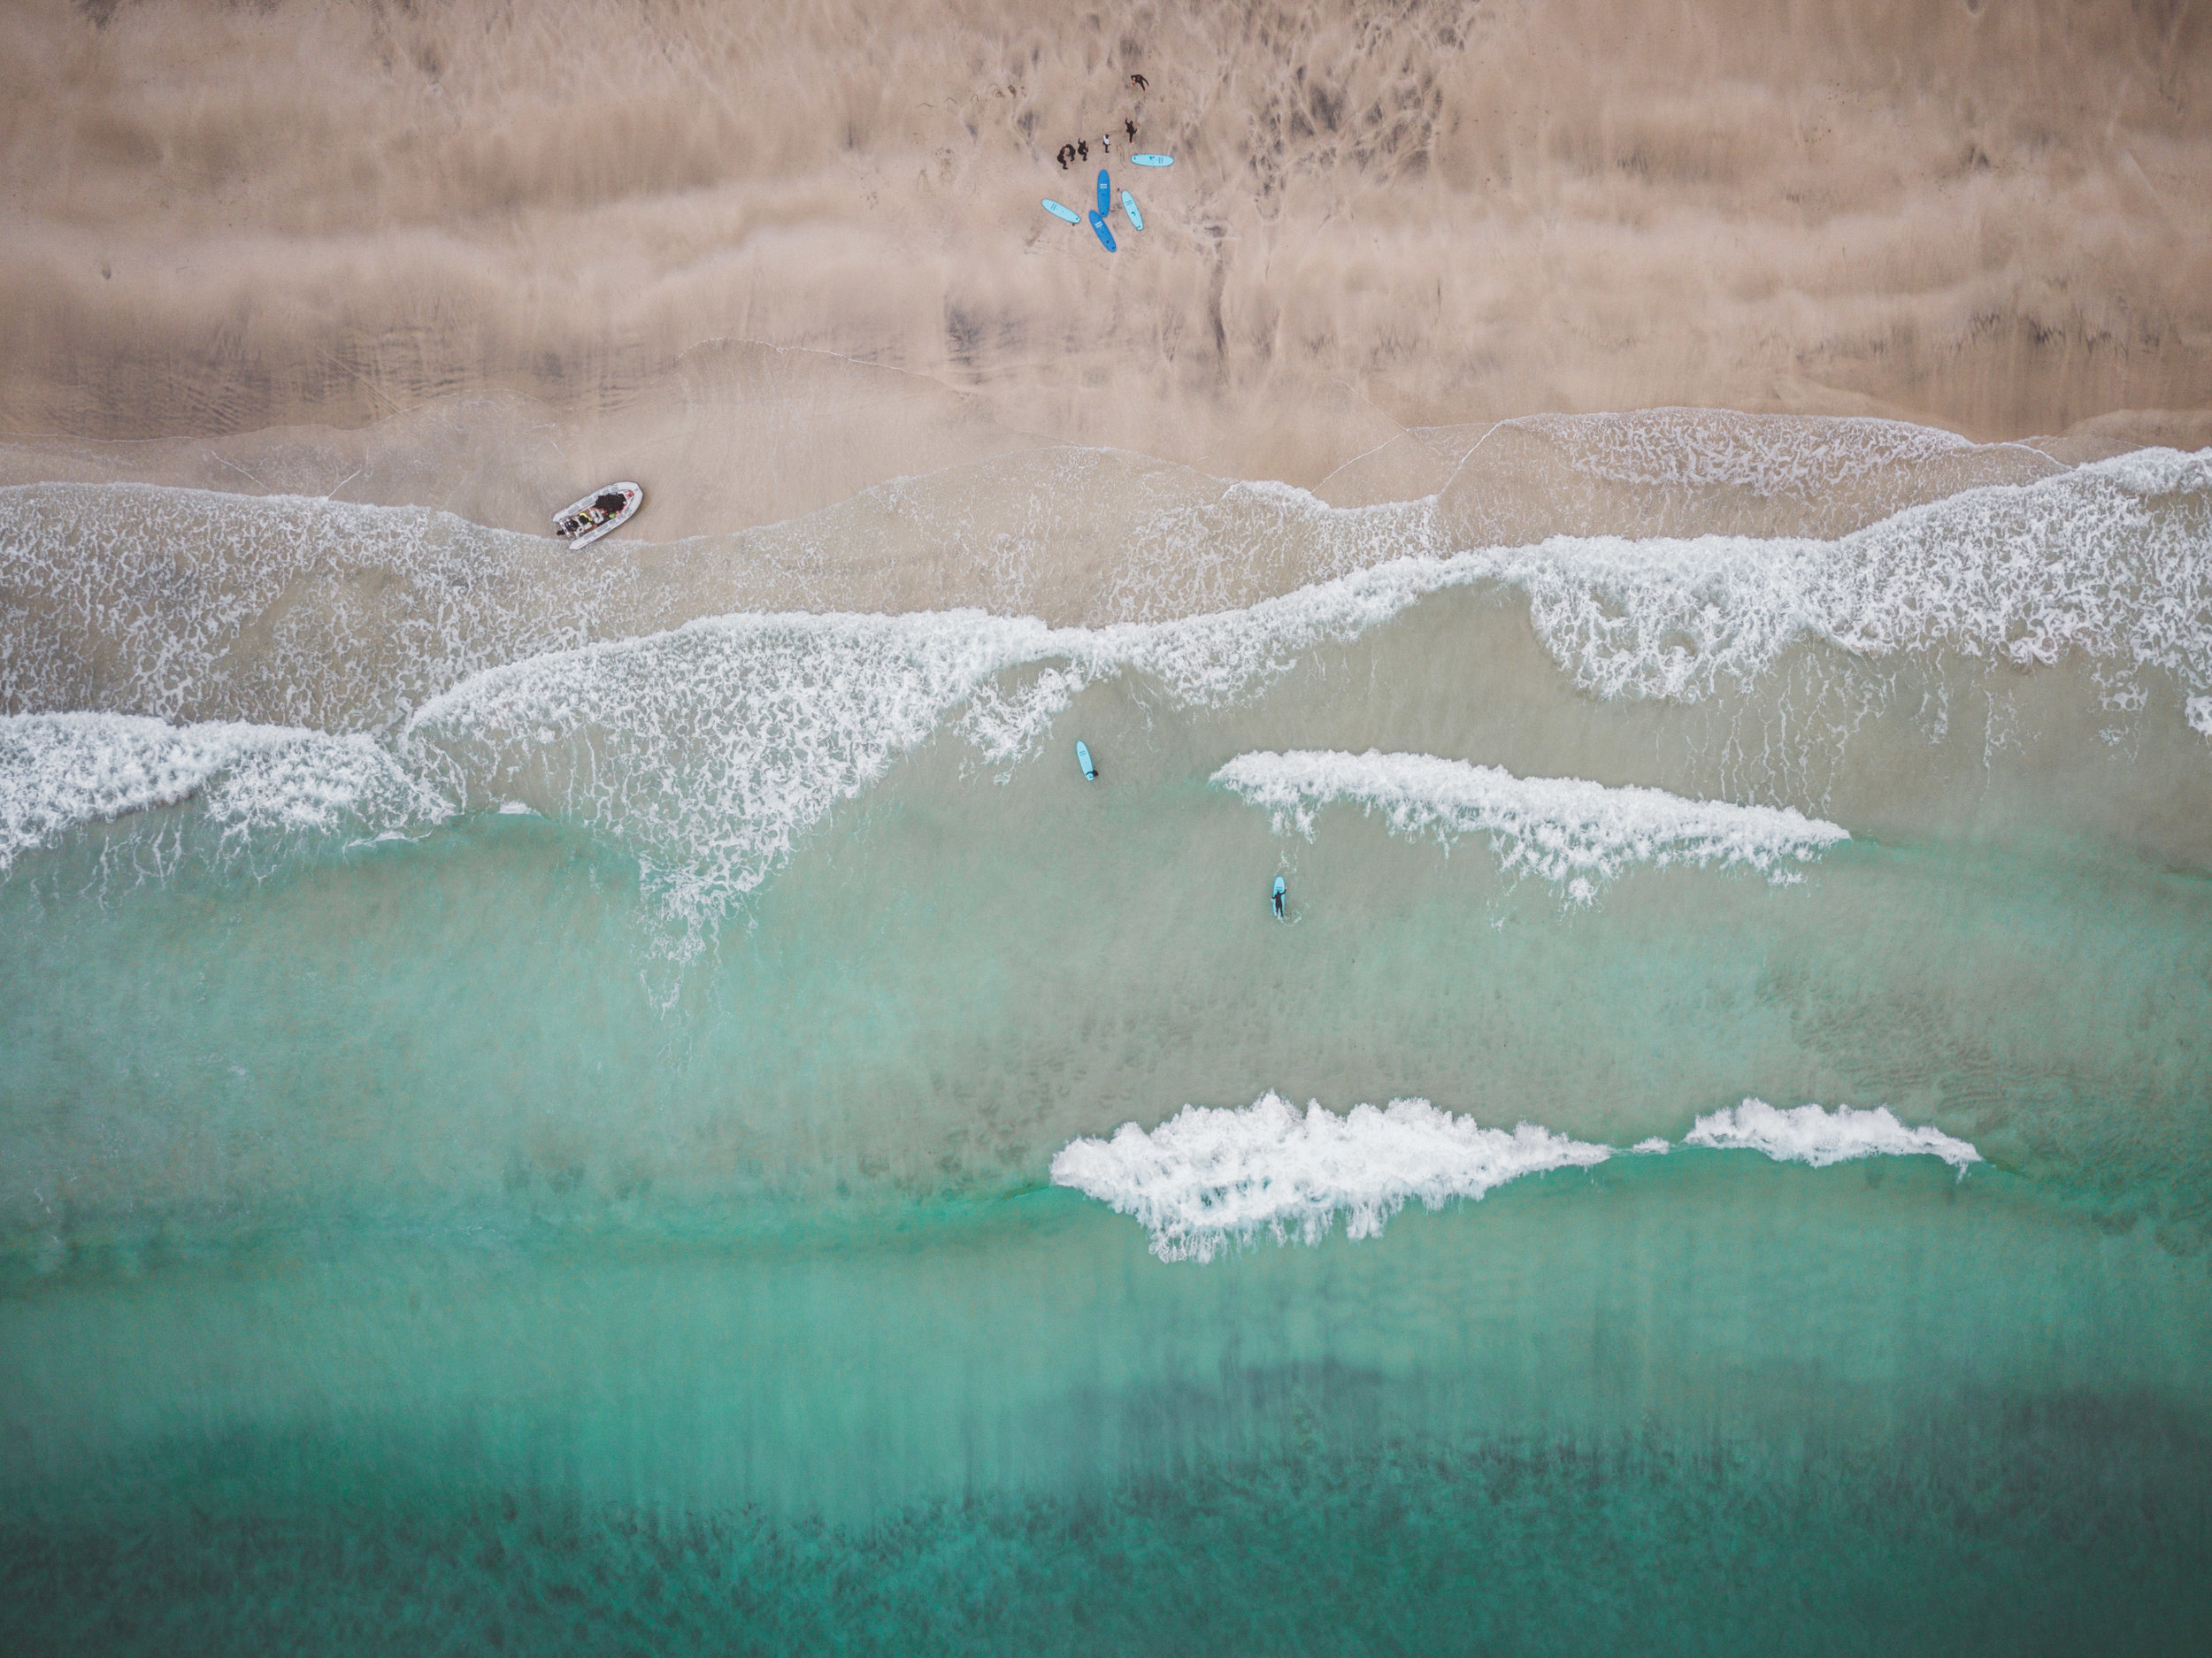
{"points": [[1820, 1137], [1210, 1178], [1569, 831]]}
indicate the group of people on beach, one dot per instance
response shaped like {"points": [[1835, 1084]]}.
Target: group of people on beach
{"points": [[1080, 150]]}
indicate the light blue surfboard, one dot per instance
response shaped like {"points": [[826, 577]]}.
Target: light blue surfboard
{"points": [[1129, 206], [1083, 759], [1105, 195], [1058, 211], [1098, 223], [1278, 897], [1154, 161]]}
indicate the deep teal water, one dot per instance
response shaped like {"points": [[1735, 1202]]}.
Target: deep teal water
{"points": [[1685, 1405]]}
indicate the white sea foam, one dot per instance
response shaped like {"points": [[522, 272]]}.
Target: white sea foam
{"points": [[1809, 1135], [58, 771], [1211, 1178], [345, 617], [1208, 1178], [711, 749], [1569, 831], [2113, 559]]}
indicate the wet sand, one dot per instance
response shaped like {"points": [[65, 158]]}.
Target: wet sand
{"points": [[483, 256]]}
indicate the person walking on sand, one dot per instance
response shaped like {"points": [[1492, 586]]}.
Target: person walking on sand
{"points": [[1141, 83], [1083, 148], [1105, 144], [1067, 154], [1130, 127]]}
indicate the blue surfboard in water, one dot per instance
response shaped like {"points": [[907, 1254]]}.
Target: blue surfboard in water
{"points": [[1154, 161], [1278, 897], [1105, 195], [1098, 223], [1083, 759], [1129, 206], [1058, 211]]}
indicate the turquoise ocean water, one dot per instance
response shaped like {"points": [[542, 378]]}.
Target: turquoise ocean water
{"points": [[592, 1118]]}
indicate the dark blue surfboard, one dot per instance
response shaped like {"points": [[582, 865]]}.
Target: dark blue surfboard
{"points": [[1098, 223], [1058, 211], [1105, 195], [1083, 759]]}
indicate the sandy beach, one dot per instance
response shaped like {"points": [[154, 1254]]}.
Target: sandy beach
{"points": [[761, 257]]}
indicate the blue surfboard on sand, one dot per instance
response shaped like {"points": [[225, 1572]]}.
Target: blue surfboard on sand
{"points": [[1105, 195], [1129, 206], [1154, 161], [1083, 759], [1058, 211], [1278, 897], [1098, 223]]}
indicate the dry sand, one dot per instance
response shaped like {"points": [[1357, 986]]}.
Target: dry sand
{"points": [[759, 256]]}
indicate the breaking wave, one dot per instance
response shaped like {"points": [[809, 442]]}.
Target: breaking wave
{"points": [[1206, 1178], [60, 771], [1568, 830], [1811, 1135], [1211, 1178]]}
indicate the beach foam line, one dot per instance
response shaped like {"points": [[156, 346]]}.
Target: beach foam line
{"points": [[344, 617], [1569, 831], [1208, 1178], [1812, 1135], [1804, 456]]}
